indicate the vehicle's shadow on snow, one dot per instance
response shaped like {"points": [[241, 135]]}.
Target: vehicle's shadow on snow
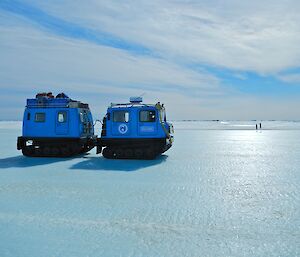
{"points": [[21, 161], [100, 163]]}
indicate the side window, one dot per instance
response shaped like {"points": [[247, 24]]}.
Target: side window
{"points": [[81, 117], [62, 117], [28, 116], [121, 116], [40, 117], [85, 116], [147, 116]]}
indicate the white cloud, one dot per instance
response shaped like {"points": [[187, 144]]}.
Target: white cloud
{"points": [[293, 78], [259, 36], [32, 60], [245, 38], [53, 58]]}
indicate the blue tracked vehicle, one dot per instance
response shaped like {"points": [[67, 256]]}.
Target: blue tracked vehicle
{"points": [[56, 127], [135, 131]]}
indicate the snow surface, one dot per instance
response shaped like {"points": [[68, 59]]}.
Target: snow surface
{"points": [[217, 192]]}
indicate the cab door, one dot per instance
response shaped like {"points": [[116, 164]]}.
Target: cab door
{"points": [[62, 122], [147, 122], [120, 123]]}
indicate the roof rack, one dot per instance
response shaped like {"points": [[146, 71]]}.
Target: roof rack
{"points": [[47, 100], [130, 105]]}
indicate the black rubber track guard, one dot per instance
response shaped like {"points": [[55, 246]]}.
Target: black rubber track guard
{"points": [[54, 147], [133, 148]]}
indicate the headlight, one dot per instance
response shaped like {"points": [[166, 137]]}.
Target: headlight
{"points": [[29, 142]]}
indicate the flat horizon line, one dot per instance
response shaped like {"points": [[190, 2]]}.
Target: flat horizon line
{"points": [[193, 120]]}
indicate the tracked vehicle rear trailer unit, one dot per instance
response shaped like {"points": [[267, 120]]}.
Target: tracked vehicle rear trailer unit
{"points": [[56, 127], [135, 131]]}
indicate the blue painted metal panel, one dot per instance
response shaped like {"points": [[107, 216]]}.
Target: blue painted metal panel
{"points": [[147, 128], [62, 122], [121, 120], [134, 128], [41, 119]]}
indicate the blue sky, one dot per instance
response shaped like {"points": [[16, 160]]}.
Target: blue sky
{"points": [[204, 59]]}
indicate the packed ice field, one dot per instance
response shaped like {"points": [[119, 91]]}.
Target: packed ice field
{"points": [[223, 189]]}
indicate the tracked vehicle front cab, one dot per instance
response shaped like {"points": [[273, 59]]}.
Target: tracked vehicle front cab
{"points": [[135, 130], [56, 126]]}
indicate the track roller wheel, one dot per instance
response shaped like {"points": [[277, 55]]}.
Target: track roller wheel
{"points": [[119, 153], [27, 151], [47, 151], [65, 151], [149, 154], [55, 151], [107, 153], [75, 148], [38, 152], [84, 149], [128, 153], [138, 153]]}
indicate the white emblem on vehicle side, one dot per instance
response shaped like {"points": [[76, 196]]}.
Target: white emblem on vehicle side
{"points": [[123, 128]]}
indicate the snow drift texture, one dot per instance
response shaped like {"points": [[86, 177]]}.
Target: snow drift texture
{"points": [[224, 189]]}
